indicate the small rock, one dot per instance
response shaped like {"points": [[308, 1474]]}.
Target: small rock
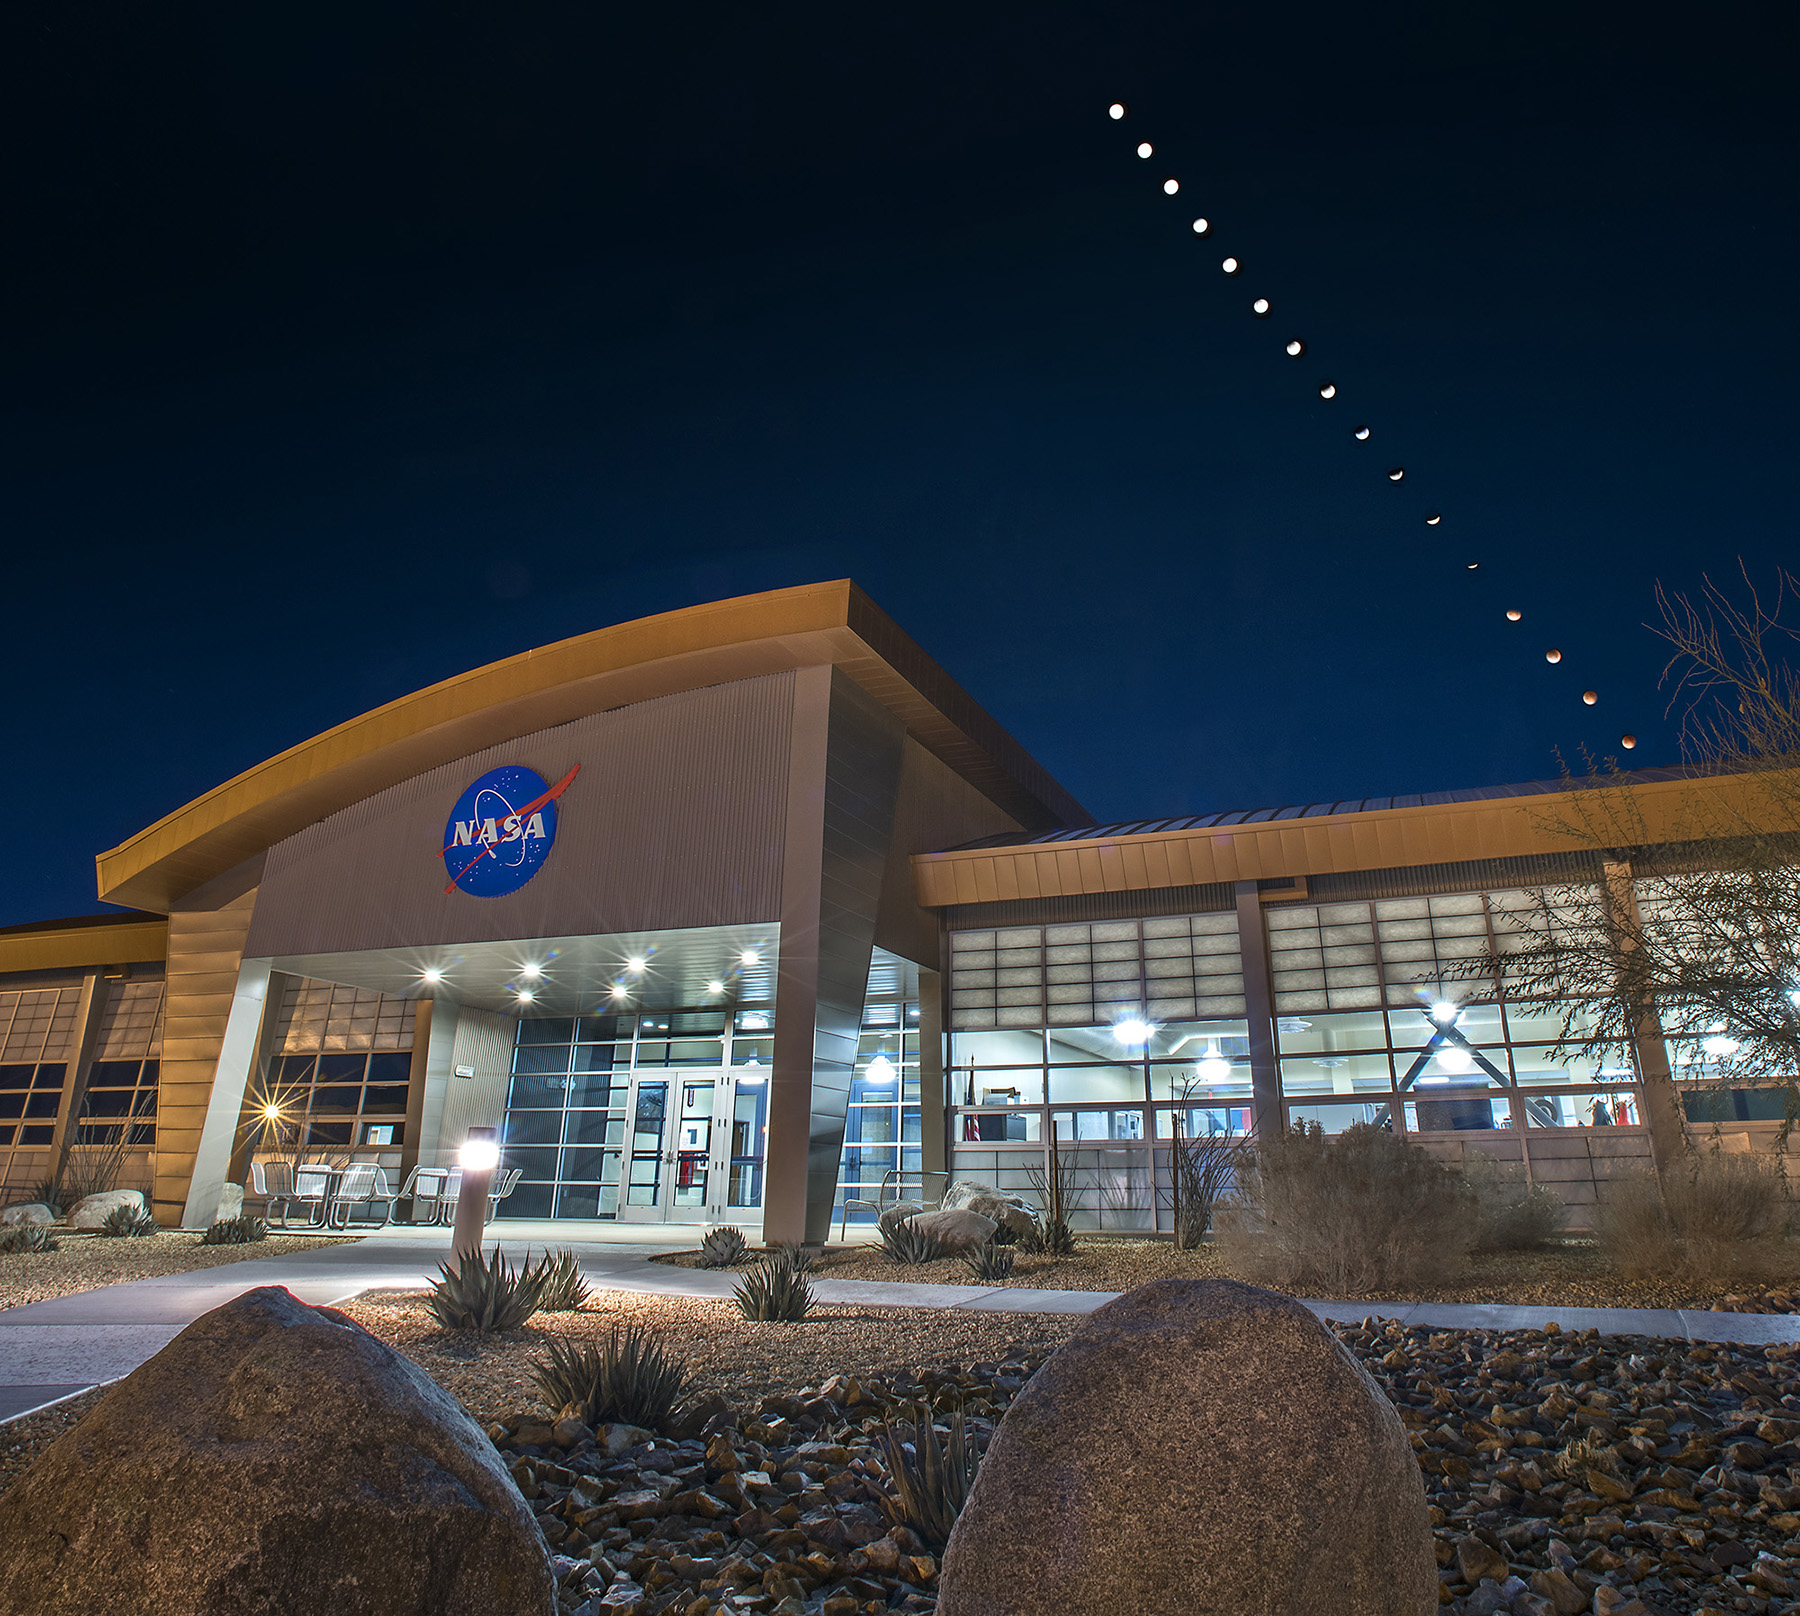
{"points": [[1476, 1560]]}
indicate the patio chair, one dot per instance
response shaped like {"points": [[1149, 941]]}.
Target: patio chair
{"points": [[360, 1187], [424, 1191], [499, 1187], [881, 1204], [282, 1187]]}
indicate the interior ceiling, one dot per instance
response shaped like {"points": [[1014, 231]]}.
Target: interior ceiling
{"points": [[577, 975]]}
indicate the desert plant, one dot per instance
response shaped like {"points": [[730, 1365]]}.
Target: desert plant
{"points": [[48, 1193], [1202, 1168], [797, 1257], [23, 1237], [242, 1231], [903, 1241], [1058, 1184], [1510, 1213], [720, 1248], [1339, 1214], [629, 1378], [484, 1294], [773, 1293], [927, 1482], [990, 1262], [1587, 1452], [1715, 1215], [96, 1157], [560, 1285], [128, 1223]]}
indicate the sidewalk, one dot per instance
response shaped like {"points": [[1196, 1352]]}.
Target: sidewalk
{"points": [[58, 1349]]}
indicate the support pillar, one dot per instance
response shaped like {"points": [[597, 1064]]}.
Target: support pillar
{"points": [[843, 778], [1259, 1011], [934, 1103], [1649, 1054]]}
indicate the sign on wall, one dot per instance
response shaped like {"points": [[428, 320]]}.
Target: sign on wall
{"points": [[501, 831]]}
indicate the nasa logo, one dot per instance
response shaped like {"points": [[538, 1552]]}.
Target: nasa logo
{"points": [[501, 831]]}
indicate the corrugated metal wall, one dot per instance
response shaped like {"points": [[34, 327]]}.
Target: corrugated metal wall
{"points": [[1197, 900], [1474, 875], [677, 819]]}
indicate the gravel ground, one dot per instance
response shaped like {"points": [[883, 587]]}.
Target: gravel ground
{"points": [[85, 1262], [1566, 1472], [1569, 1274]]}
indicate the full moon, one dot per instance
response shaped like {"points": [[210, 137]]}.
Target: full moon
{"points": [[1590, 696], [1327, 389], [1295, 348], [1230, 266], [1260, 306], [1201, 226], [1170, 187], [1145, 148], [1116, 111]]}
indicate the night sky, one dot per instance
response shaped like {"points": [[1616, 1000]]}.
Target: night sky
{"points": [[351, 346]]}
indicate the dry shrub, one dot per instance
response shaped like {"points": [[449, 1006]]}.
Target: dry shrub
{"points": [[1340, 1214], [1714, 1216], [1511, 1213]]}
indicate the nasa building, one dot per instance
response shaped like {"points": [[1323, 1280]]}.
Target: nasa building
{"points": [[741, 912]]}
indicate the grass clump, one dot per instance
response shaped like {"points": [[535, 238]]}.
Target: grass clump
{"points": [[128, 1223], [721, 1248], [773, 1292], [26, 1237], [1344, 1213], [484, 1295], [629, 1378], [904, 1242], [561, 1289], [242, 1231], [990, 1262], [927, 1481], [1510, 1213], [1714, 1215]]}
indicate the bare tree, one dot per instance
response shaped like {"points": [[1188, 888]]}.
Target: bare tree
{"points": [[1691, 930]]}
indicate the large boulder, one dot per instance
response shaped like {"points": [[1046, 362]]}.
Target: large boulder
{"points": [[93, 1210], [26, 1212], [273, 1458], [961, 1230], [1199, 1448], [1009, 1211]]}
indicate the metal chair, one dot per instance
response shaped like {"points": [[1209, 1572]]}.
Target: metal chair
{"points": [[880, 1204], [424, 1190], [282, 1186], [499, 1187], [360, 1186]]}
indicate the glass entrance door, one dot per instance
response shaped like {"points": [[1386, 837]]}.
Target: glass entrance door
{"points": [[681, 1163]]}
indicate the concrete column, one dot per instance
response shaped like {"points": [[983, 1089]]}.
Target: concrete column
{"points": [[934, 1109], [438, 1053], [843, 778], [252, 1128], [90, 1010], [1259, 1009], [235, 1067], [1662, 1104]]}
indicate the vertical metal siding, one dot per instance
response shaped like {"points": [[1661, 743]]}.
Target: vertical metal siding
{"points": [[677, 819]]}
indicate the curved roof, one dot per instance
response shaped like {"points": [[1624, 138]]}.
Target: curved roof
{"points": [[743, 638]]}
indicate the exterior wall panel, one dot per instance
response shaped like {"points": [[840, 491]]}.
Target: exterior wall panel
{"points": [[675, 820]]}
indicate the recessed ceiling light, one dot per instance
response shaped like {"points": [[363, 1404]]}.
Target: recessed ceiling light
{"points": [[749, 957], [635, 964], [532, 972], [526, 995], [715, 986], [433, 974], [618, 990]]}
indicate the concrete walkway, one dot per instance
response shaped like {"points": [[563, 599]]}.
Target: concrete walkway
{"points": [[53, 1350]]}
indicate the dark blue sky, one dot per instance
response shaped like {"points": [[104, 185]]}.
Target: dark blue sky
{"points": [[352, 346]]}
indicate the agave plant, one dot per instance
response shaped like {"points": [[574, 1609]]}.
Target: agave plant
{"points": [[242, 1231], [627, 1377], [128, 1223], [990, 1261], [720, 1248], [905, 1242], [797, 1258], [927, 1482], [483, 1295], [774, 1293], [561, 1287], [26, 1237]]}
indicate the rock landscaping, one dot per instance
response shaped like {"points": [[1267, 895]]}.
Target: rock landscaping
{"points": [[86, 1260], [1569, 1273], [1563, 1473]]}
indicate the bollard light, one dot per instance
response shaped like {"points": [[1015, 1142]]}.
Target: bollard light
{"points": [[478, 1158]]}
